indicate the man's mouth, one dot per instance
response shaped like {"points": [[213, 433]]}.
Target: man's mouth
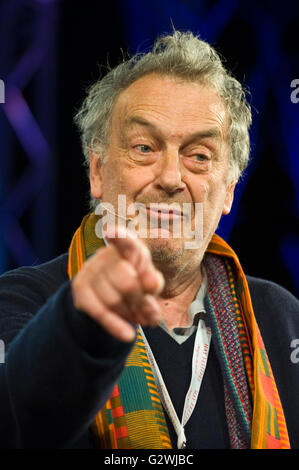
{"points": [[163, 215], [163, 211]]}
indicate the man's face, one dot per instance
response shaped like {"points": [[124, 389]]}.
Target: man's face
{"points": [[168, 144]]}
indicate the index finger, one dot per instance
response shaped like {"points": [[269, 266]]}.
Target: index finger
{"points": [[128, 245], [137, 253]]}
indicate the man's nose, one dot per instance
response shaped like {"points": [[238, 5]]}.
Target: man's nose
{"points": [[170, 173]]}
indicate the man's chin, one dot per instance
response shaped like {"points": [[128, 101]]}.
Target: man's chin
{"points": [[165, 249]]}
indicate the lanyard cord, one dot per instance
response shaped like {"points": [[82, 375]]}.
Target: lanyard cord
{"points": [[199, 362]]}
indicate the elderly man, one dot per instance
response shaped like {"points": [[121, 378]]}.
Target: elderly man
{"points": [[132, 342]]}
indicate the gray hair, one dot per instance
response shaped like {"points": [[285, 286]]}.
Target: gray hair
{"points": [[181, 55]]}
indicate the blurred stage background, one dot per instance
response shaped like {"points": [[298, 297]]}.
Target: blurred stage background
{"points": [[49, 53]]}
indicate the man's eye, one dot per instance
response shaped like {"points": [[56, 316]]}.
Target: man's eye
{"points": [[199, 157], [143, 148]]}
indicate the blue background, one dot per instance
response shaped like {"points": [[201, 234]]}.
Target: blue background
{"points": [[51, 50]]}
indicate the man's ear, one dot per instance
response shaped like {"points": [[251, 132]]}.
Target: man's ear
{"points": [[228, 202], [95, 174]]}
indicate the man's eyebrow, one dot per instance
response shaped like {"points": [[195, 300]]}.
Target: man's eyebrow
{"points": [[129, 122], [212, 133]]}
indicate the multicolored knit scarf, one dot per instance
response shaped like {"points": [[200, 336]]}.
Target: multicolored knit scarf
{"points": [[133, 417]]}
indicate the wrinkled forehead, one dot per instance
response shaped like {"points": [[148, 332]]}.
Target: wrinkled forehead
{"points": [[171, 102]]}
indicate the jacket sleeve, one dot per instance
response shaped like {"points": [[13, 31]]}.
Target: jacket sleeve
{"points": [[60, 366]]}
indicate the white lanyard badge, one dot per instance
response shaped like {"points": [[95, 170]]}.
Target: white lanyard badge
{"points": [[199, 362]]}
